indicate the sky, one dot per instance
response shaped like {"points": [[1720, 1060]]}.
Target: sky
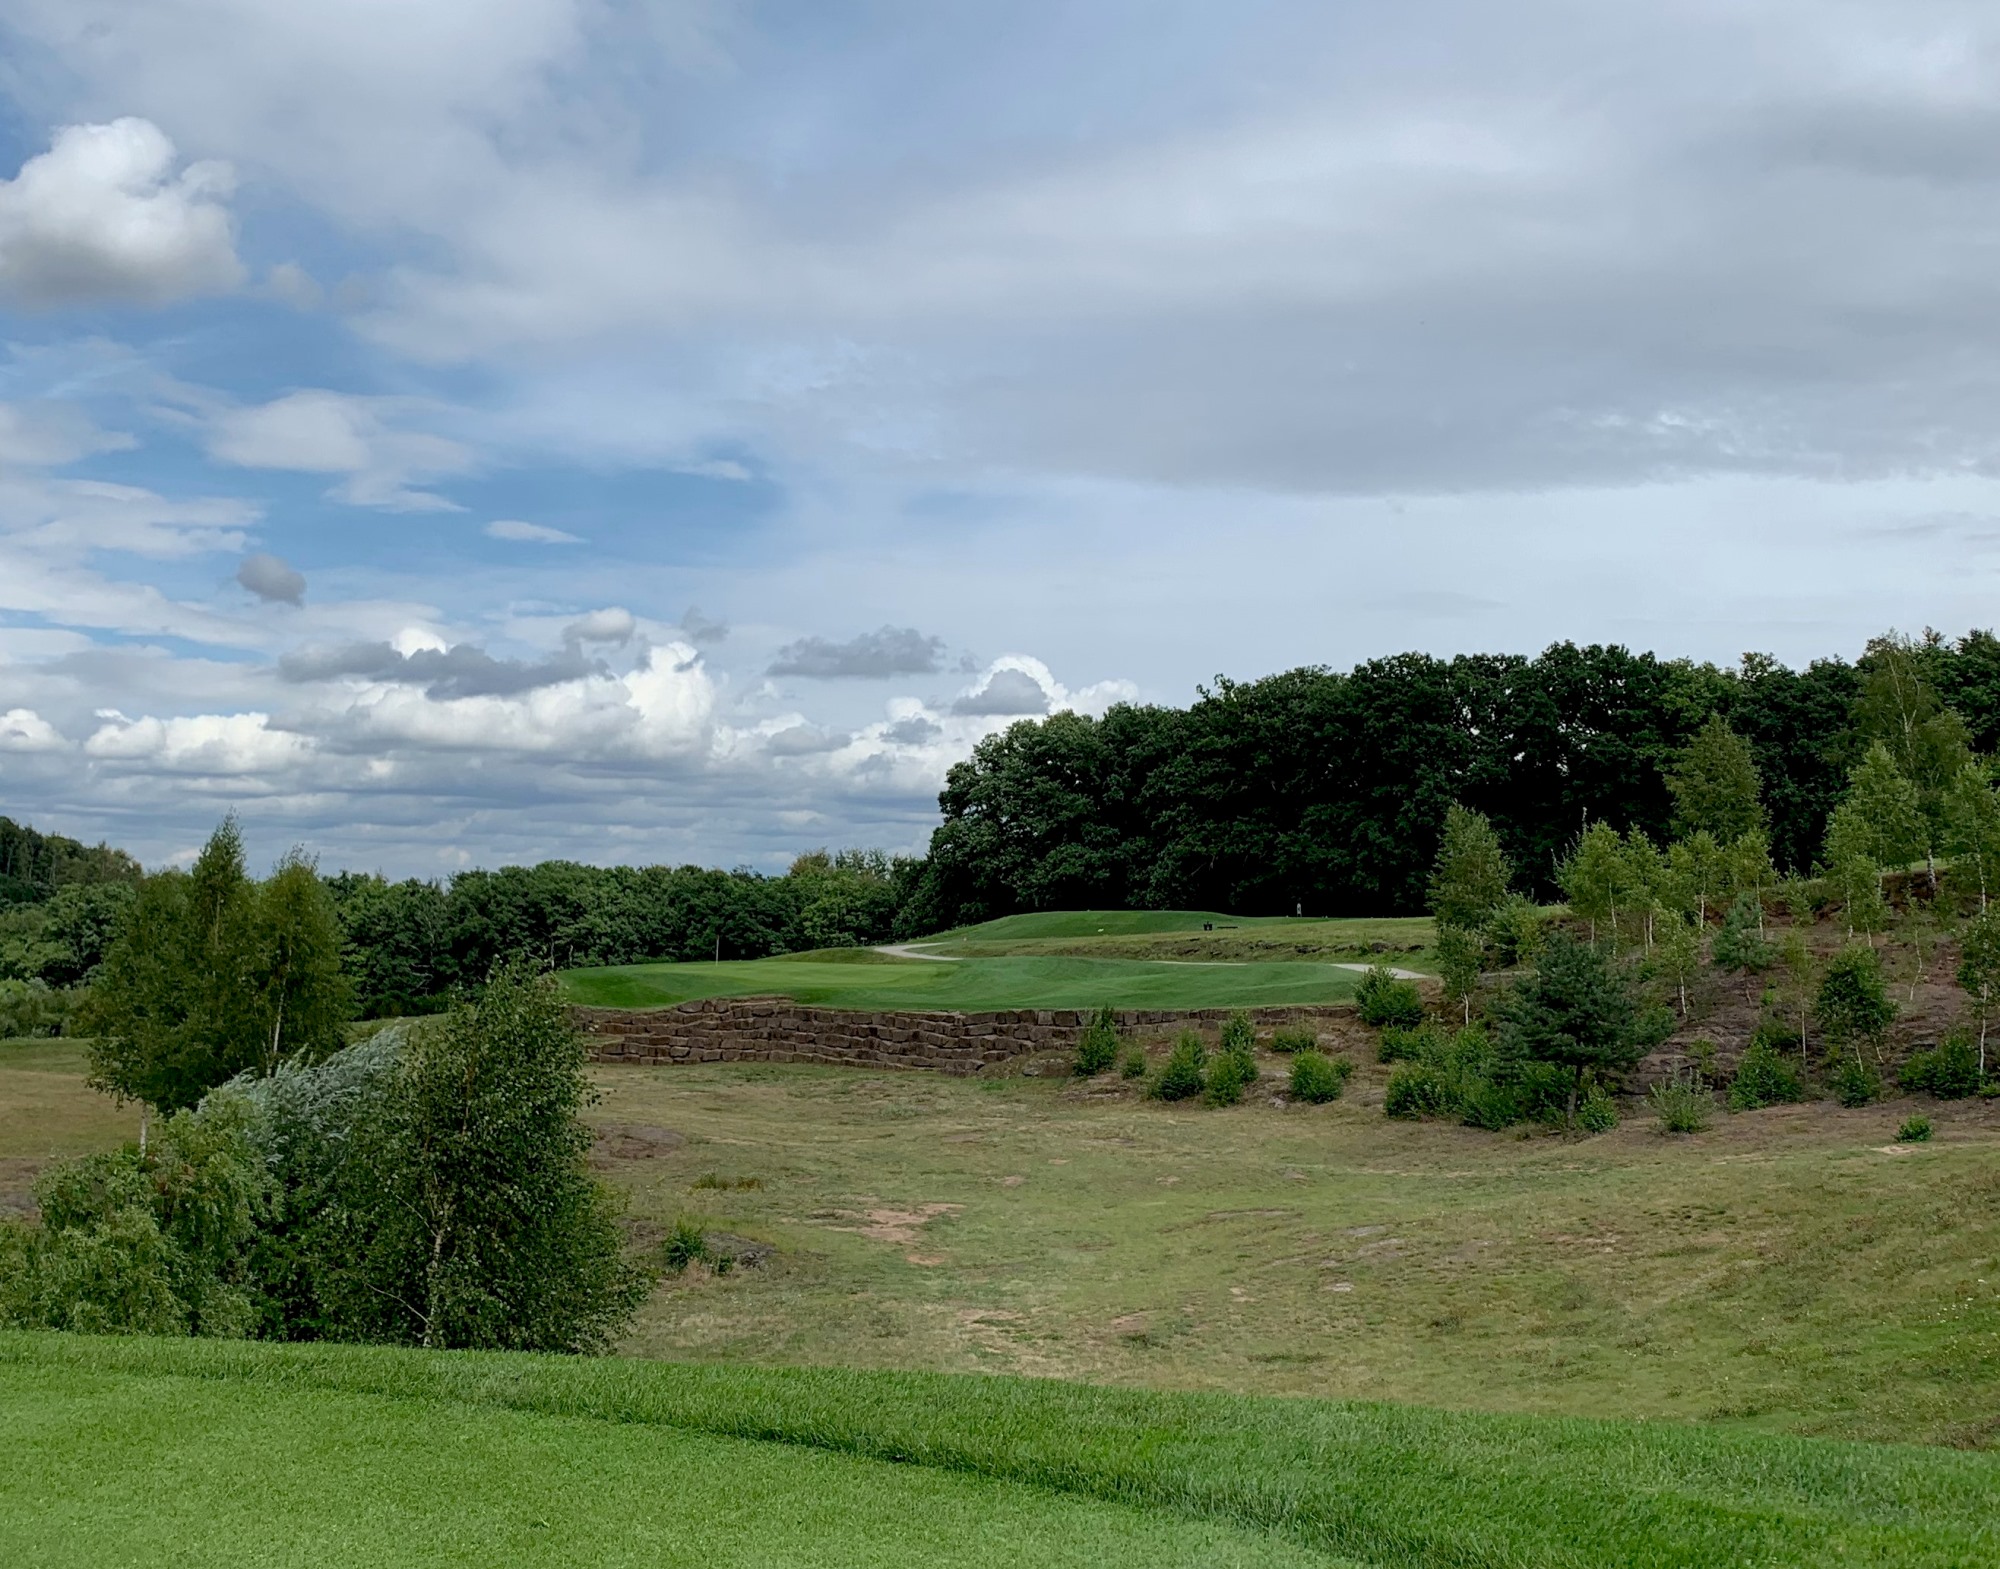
{"points": [[457, 432]]}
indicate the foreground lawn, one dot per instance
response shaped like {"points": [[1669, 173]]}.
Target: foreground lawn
{"points": [[112, 1459], [865, 979], [216, 1453]]}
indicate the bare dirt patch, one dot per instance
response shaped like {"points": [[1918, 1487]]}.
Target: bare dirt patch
{"points": [[626, 1142]]}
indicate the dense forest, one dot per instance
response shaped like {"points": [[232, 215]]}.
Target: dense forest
{"points": [[1325, 792]]}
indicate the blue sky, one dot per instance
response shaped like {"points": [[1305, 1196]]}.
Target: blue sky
{"points": [[456, 431]]}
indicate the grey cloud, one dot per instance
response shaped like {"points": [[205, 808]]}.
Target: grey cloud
{"points": [[893, 651], [914, 731], [703, 631], [1007, 693], [613, 624], [461, 671], [804, 741], [271, 579]]}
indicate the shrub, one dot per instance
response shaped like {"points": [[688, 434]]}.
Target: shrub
{"points": [[153, 1243], [1948, 1070], [1682, 1103], [1514, 930], [1915, 1130], [1855, 1082], [686, 1244], [1763, 1078], [1414, 1043], [1293, 1038], [1738, 945], [1417, 1089], [1853, 1003], [1097, 1047], [1233, 1071], [1134, 1065], [1316, 1080], [1384, 1001], [1181, 1075], [1597, 1112], [1238, 1034], [30, 1008]]}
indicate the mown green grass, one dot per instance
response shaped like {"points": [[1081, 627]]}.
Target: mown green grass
{"points": [[970, 985], [110, 1466], [188, 1451], [1043, 924]]}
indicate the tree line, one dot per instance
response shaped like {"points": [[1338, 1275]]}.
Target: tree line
{"points": [[1326, 792]]}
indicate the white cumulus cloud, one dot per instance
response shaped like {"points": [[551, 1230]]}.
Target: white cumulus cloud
{"points": [[102, 216], [24, 730], [231, 744]]}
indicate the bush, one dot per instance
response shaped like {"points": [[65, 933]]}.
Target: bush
{"points": [[1097, 1048], [1915, 1130], [1384, 1001], [1233, 1071], [686, 1244], [1238, 1034], [156, 1243], [1853, 1003], [30, 1008], [1738, 945], [1763, 1078], [1855, 1082], [1414, 1043], [1948, 1070], [1417, 1089], [1294, 1038], [1181, 1075], [1597, 1112], [1682, 1103], [1316, 1079], [1134, 1065], [1514, 931]]}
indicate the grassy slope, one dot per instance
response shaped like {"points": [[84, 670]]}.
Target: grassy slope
{"points": [[1785, 1271], [971, 985], [287, 1451]]}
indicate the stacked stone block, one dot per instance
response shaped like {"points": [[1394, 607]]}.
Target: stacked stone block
{"points": [[777, 1029]]}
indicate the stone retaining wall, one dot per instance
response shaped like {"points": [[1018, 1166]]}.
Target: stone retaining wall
{"points": [[777, 1029]]}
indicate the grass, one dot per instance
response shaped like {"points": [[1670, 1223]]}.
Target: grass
{"points": [[231, 1453], [1789, 1270], [362, 1458], [1056, 959], [972, 985]]}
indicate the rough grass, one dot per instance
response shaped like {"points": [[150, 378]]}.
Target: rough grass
{"points": [[1179, 934], [971, 985], [270, 1453], [1792, 1269]]}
